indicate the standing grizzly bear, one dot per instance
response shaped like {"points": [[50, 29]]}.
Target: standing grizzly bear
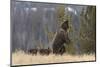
{"points": [[61, 37]]}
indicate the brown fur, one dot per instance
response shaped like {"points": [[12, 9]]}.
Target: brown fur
{"points": [[60, 39]]}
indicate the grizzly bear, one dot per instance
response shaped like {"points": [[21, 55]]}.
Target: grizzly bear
{"points": [[61, 37]]}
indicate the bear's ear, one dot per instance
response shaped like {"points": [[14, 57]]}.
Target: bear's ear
{"points": [[66, 22], [65, 25]]}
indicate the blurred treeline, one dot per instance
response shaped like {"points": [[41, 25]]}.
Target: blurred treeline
{"points": [[87, 30]]}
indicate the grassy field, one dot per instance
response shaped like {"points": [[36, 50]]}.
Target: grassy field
{"points": [[21, 58]]}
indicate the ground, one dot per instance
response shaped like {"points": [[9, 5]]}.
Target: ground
{"points": [[21, 58]]}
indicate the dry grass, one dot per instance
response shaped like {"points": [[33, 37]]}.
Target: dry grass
{"points": [[21, 58]]}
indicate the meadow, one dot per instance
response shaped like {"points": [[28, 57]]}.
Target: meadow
{"points": [[22, 58]]}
